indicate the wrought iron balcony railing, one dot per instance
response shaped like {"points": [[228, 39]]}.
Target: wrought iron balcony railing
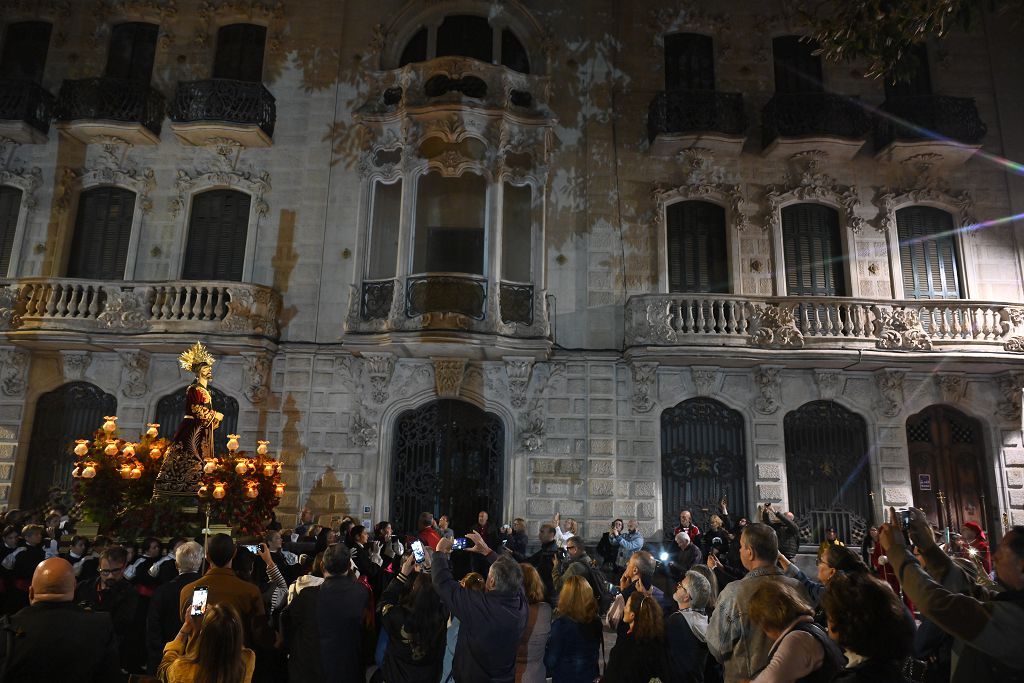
{"points": [[821, 322], [111, 99], [813, 114], [226, 101], [449, 302], [65, 305], [674, 112], [26, 101], [929, 117]]}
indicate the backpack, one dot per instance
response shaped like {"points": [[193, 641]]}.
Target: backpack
{"points": [[599, 583]]}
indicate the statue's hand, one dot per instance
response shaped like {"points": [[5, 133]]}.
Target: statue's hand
{"points": [[219, 417]]}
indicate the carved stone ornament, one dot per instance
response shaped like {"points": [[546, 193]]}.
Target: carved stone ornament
{"points": [[649, 321], [890, 200], [518, 369], [900, 328], [252, 310], [257, 377], [361, 432], [704, 182], [890, 392], [1012, 324], [827, 382], [774, 327], [269, 13], [644, 381], [26, 180], [704, 379], [808, 184], [1010, 385], [448, 375], [75, 364], [952, 387], [14, 371], [378, 368], [534, 430], [125, 310], [255, 184], [134, 373], [11, 303], [768, 385]]}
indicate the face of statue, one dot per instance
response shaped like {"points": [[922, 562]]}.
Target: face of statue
{"points": [[206, 373]]}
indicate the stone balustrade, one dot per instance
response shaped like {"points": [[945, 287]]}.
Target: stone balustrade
{"points": [[822, 322], [170, 307]]}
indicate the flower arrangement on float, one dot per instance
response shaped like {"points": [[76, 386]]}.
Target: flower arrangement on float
{"points": [[114, 481]]}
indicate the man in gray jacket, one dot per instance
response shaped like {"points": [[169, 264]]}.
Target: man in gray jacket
{"points": [[741, 647]]}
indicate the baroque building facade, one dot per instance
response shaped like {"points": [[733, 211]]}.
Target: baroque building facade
{"points": [[528, 257]]}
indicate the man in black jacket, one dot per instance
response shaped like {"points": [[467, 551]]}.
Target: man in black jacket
{"points": [[52, 618], [785, 528], [111, 593], [544, 560], [164, 619], [326, 626], [492, 622]]}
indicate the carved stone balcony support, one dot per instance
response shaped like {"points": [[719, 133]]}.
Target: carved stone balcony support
{"points": [[240, 313], [436, 312], [680, 119], [948, 129], [218, 109], [99, 109], [800, 122], [25, 111]]}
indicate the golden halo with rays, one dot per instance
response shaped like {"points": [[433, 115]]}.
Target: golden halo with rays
{"points": [[196, 356]]}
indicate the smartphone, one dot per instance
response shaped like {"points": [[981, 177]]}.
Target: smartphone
{"points": [[254, 549], [460, 543], [905, 518], [417, 552], [199, 596]]}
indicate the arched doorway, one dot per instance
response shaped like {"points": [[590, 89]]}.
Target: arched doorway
{"points": [[171, 409], [827, 470], [448, 458], [703, 457], [69, 412], [946, 454]]}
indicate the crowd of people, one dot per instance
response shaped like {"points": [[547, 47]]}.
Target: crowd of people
{"points": [[346, 603]]}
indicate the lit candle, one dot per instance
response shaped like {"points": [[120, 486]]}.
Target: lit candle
{"points": [[261, 447], [155, 453], [210, 466], [218, 490], [110, 424], [152, 431], [82, 447], [129, 450], [241, 467], [111, 448], [232, 442], [89, 471]]}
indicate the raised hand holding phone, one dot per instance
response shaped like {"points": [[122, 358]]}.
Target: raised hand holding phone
{"points": [[199, 597]]}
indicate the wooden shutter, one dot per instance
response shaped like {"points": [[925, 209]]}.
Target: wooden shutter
{"points": [[240, 52], [10, 206], [217, 233], [466, 35], [25, 46], [812, 251], [689, 62], [928, 256], [697, 260], [796, 67], [919, 84], [99, 248], [132, 47]]}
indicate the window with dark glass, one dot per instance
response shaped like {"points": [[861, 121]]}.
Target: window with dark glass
{"points": [[812, 251], [919, 83], [416, 49], [697, 260], [513, 54], [450, 224], [99, 248], [25, 46], [928, 257], [240, 52], [217, 231], [797, 69], [466, 35], [10, 206], [132, 48], [689, 62]]}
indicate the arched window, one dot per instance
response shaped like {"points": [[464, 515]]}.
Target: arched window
{"points": [[697, 260], [928, 255], [171, 409], [240, 50], [10, 207], [797, 68], [103, 229], [466, 35], [217, 231], [689, 62], [25, 46], [132, 48], [827, 469], [812, 251]]}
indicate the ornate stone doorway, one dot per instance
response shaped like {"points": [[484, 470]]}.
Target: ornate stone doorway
{"points": [[448, 458]]}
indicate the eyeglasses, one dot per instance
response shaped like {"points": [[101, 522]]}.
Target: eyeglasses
{"points": [[110, 572], [821, 562]]}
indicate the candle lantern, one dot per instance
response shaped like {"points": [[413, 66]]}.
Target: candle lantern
{"points": [[110, 424], [268, 469], [218, 490], [153, 429], [155, 453], [129, 450], [241, 466], [111, 448], [136, 471], [89, 471], [232, 442], [252, 491], [81, 447], [76, 473], [126, 471], [261, 447], [204, 491], [279, 490], [210, 466]]}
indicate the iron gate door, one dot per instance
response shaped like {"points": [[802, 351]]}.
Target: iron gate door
{"points": [[73, 411], [703, 457], [946, 454], [448, 459], [827, 469]]}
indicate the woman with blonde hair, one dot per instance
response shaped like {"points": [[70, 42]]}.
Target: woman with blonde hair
{"points": [[564, 530], [218, 654], [575, 638], [639, 654], [530, 655]]}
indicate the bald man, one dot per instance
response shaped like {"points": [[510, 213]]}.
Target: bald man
{"points": [[52, 618]]}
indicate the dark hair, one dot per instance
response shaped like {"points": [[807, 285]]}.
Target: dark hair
{"points": [[425, 520], [353, 534], [378, 531], [150, 540], [9, 529], [1014, 538], [428, 619], [843, 559], [218, 652], [220, 551], [244, 565], [868, 617], [337, 559], [762, 540], [74, 539], [115, 554], [648, 621], [102, 541]]}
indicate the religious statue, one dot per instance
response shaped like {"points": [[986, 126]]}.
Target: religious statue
{"points": [[192, 444]]}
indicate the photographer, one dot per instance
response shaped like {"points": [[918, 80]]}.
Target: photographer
{"points": [[627, 543], [785, 528], [544, 560], [607, 551], [574, 562], [513, 538]]}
